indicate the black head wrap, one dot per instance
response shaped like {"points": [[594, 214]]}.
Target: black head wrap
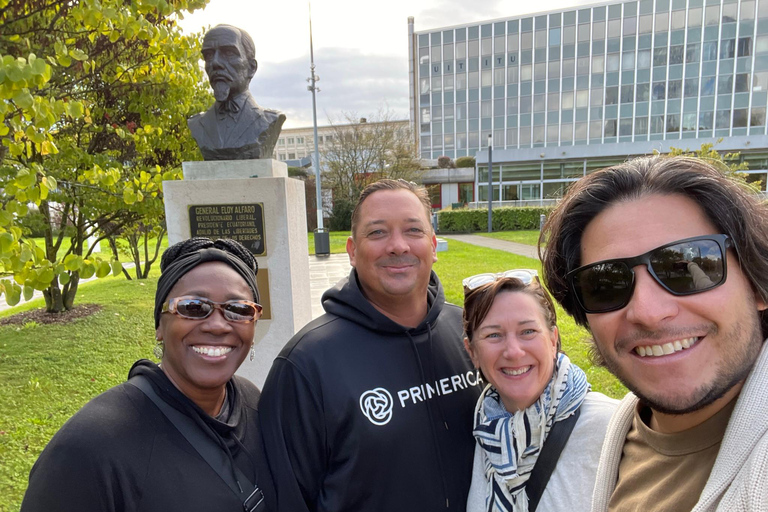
{"points": [[182, 257]]}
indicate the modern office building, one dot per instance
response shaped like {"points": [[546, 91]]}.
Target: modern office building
{"points": [[562, 93]]}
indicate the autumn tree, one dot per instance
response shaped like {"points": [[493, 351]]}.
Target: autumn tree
{"points": [[93, 100], [363, 150]]}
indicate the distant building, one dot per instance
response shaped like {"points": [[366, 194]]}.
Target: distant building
{"points": [[563, 93], [297, 145]]}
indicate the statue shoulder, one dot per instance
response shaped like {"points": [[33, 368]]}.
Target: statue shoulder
{"points": [[274, 115]]}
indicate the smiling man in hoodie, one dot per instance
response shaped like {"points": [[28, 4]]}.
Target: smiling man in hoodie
{"points": [[369, 407]]}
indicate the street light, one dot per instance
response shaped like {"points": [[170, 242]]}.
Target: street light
{"points": [[322, 237], [490, 183]]}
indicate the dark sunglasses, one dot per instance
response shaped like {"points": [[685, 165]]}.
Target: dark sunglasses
{"points": [[684, 267], [198, 308]]}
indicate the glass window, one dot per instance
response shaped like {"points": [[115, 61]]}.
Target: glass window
{"points": [[705, 120], [554, 69], [486, 78], [694, 17], [674, 88], [630, 26], [673, 123], [643, 59], [729, 12], [742, 82], [709, 51], [612, 62], [596, 97], [513, 43], [757, 117], [627, 93], [566, 133], [740, 117], [553, 101], [485, 108], [628, 60], [692, 52], [595, 129], [747, 10], [526, 72], [461, 81], [581, 131], [657, 124], [611, 95], [448, 51], [761, 43], [567, 100], [554, 37], [527, 40], [424, 85], [745, 47], [662, 21], [723, 119], [474, 48], [541, 38], [678, 20], [691, 87], [712, 15], [584, 32], [598, 30], [423, 55], [437, 113], [614, 28], [659, 56], [708, 86], [436, 84], [625, 127], [448, 82], [582, 99], [725, 84], [689, 122], [641, 126], [461, 50], [760, 81], [643, 92], [539, 101], [512, 75], [727, 47], [582, 66], [610, 128], [474, 79], [569, 35], [568, 65], [646, 24], [540, 71], [676, 55]]}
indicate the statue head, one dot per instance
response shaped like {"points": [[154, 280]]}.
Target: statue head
{"points": [[230, 60]]}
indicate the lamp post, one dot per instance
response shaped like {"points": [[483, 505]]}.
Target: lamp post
{"points": [[322, 237], [490, 183]]}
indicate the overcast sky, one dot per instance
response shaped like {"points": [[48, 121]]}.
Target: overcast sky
{"points": [[361, 48]]}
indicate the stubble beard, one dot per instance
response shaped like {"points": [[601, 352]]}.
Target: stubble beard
{"points": [[736, 362]]}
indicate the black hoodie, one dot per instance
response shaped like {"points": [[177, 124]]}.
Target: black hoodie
{"points": [[360, 413], [120, 453]]}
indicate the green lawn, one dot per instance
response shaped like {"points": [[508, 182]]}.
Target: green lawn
{"points": [[47, 372], [528, 237]]}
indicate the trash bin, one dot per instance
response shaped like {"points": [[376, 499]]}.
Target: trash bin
{"points": [[322, 242]]}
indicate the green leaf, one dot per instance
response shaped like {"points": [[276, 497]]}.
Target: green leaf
{"points": [[5, 218], [29, 292], [25, 179], [117, 268], [104, 269], [73, 262], [75, 109], [12, 293], [6, 242], [63, 278], [46, 276], [88, 270], [23, 99], [78, 54], [26, 254]]}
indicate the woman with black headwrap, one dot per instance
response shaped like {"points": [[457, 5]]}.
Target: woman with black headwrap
{"points": [[178, 436]]}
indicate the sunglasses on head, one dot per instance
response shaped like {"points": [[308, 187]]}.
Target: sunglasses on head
{"points": [[526, 275], [198, 308], [684, 267]]}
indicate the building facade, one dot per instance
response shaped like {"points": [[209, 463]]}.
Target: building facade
{"points": [[562, 93]]}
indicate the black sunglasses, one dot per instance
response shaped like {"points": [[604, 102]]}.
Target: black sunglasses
{"points": [[198, 308], [684, 267]]}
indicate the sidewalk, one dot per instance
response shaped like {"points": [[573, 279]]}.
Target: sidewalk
{"points": [[492, 243]]}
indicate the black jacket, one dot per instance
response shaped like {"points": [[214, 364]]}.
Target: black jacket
{"points": [[120, 453], [345, 421]]}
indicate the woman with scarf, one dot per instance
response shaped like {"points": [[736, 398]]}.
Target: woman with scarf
{"points": [[181, 436], [535, 398]]}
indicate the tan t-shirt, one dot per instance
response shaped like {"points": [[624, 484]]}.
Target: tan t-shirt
{"points": [[667, 472]]}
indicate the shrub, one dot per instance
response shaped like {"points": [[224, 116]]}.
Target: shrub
{"points": [[341, 216], [465, 161], [445, 162], [504, 219]]}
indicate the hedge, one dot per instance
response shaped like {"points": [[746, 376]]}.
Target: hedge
{"points": [[504, 219]]}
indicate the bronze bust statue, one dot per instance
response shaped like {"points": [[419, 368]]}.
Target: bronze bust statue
{"points": [[235, 127]]}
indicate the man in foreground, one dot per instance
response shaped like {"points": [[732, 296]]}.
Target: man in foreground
{"points": [[369, 407], [625, 251]]}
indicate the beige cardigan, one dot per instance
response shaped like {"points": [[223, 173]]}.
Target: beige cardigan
{"points": [[739, 478]]}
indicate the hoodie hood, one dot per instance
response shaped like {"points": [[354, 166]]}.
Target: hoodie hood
{"points": [[346, 300]]}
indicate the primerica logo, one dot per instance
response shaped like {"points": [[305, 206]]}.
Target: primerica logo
{"points": [[377, 404]]}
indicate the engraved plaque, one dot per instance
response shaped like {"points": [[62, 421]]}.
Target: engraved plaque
{"points": [[241, 222]]}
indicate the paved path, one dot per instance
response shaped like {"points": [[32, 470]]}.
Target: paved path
{"points": [[493, 243], [324, 272]]}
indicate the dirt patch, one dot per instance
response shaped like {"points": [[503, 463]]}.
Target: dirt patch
{"points": [[41, 317]]}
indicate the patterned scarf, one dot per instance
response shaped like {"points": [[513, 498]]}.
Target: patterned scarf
{"points": [[512, 441]]}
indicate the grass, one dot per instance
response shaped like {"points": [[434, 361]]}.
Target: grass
{"points": [[48, 372], [527, 237], [338, 241]]}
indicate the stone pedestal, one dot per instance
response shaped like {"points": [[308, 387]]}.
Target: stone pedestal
{"points": [[283, 269]]}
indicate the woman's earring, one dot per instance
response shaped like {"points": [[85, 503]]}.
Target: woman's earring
{"points": [[253, 352], [159, 349]]}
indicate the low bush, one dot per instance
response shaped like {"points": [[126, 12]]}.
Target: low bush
{"points": [[504, 219]]}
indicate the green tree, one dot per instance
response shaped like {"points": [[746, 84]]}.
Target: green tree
{"points": [[729, 164], [93, 98]]}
